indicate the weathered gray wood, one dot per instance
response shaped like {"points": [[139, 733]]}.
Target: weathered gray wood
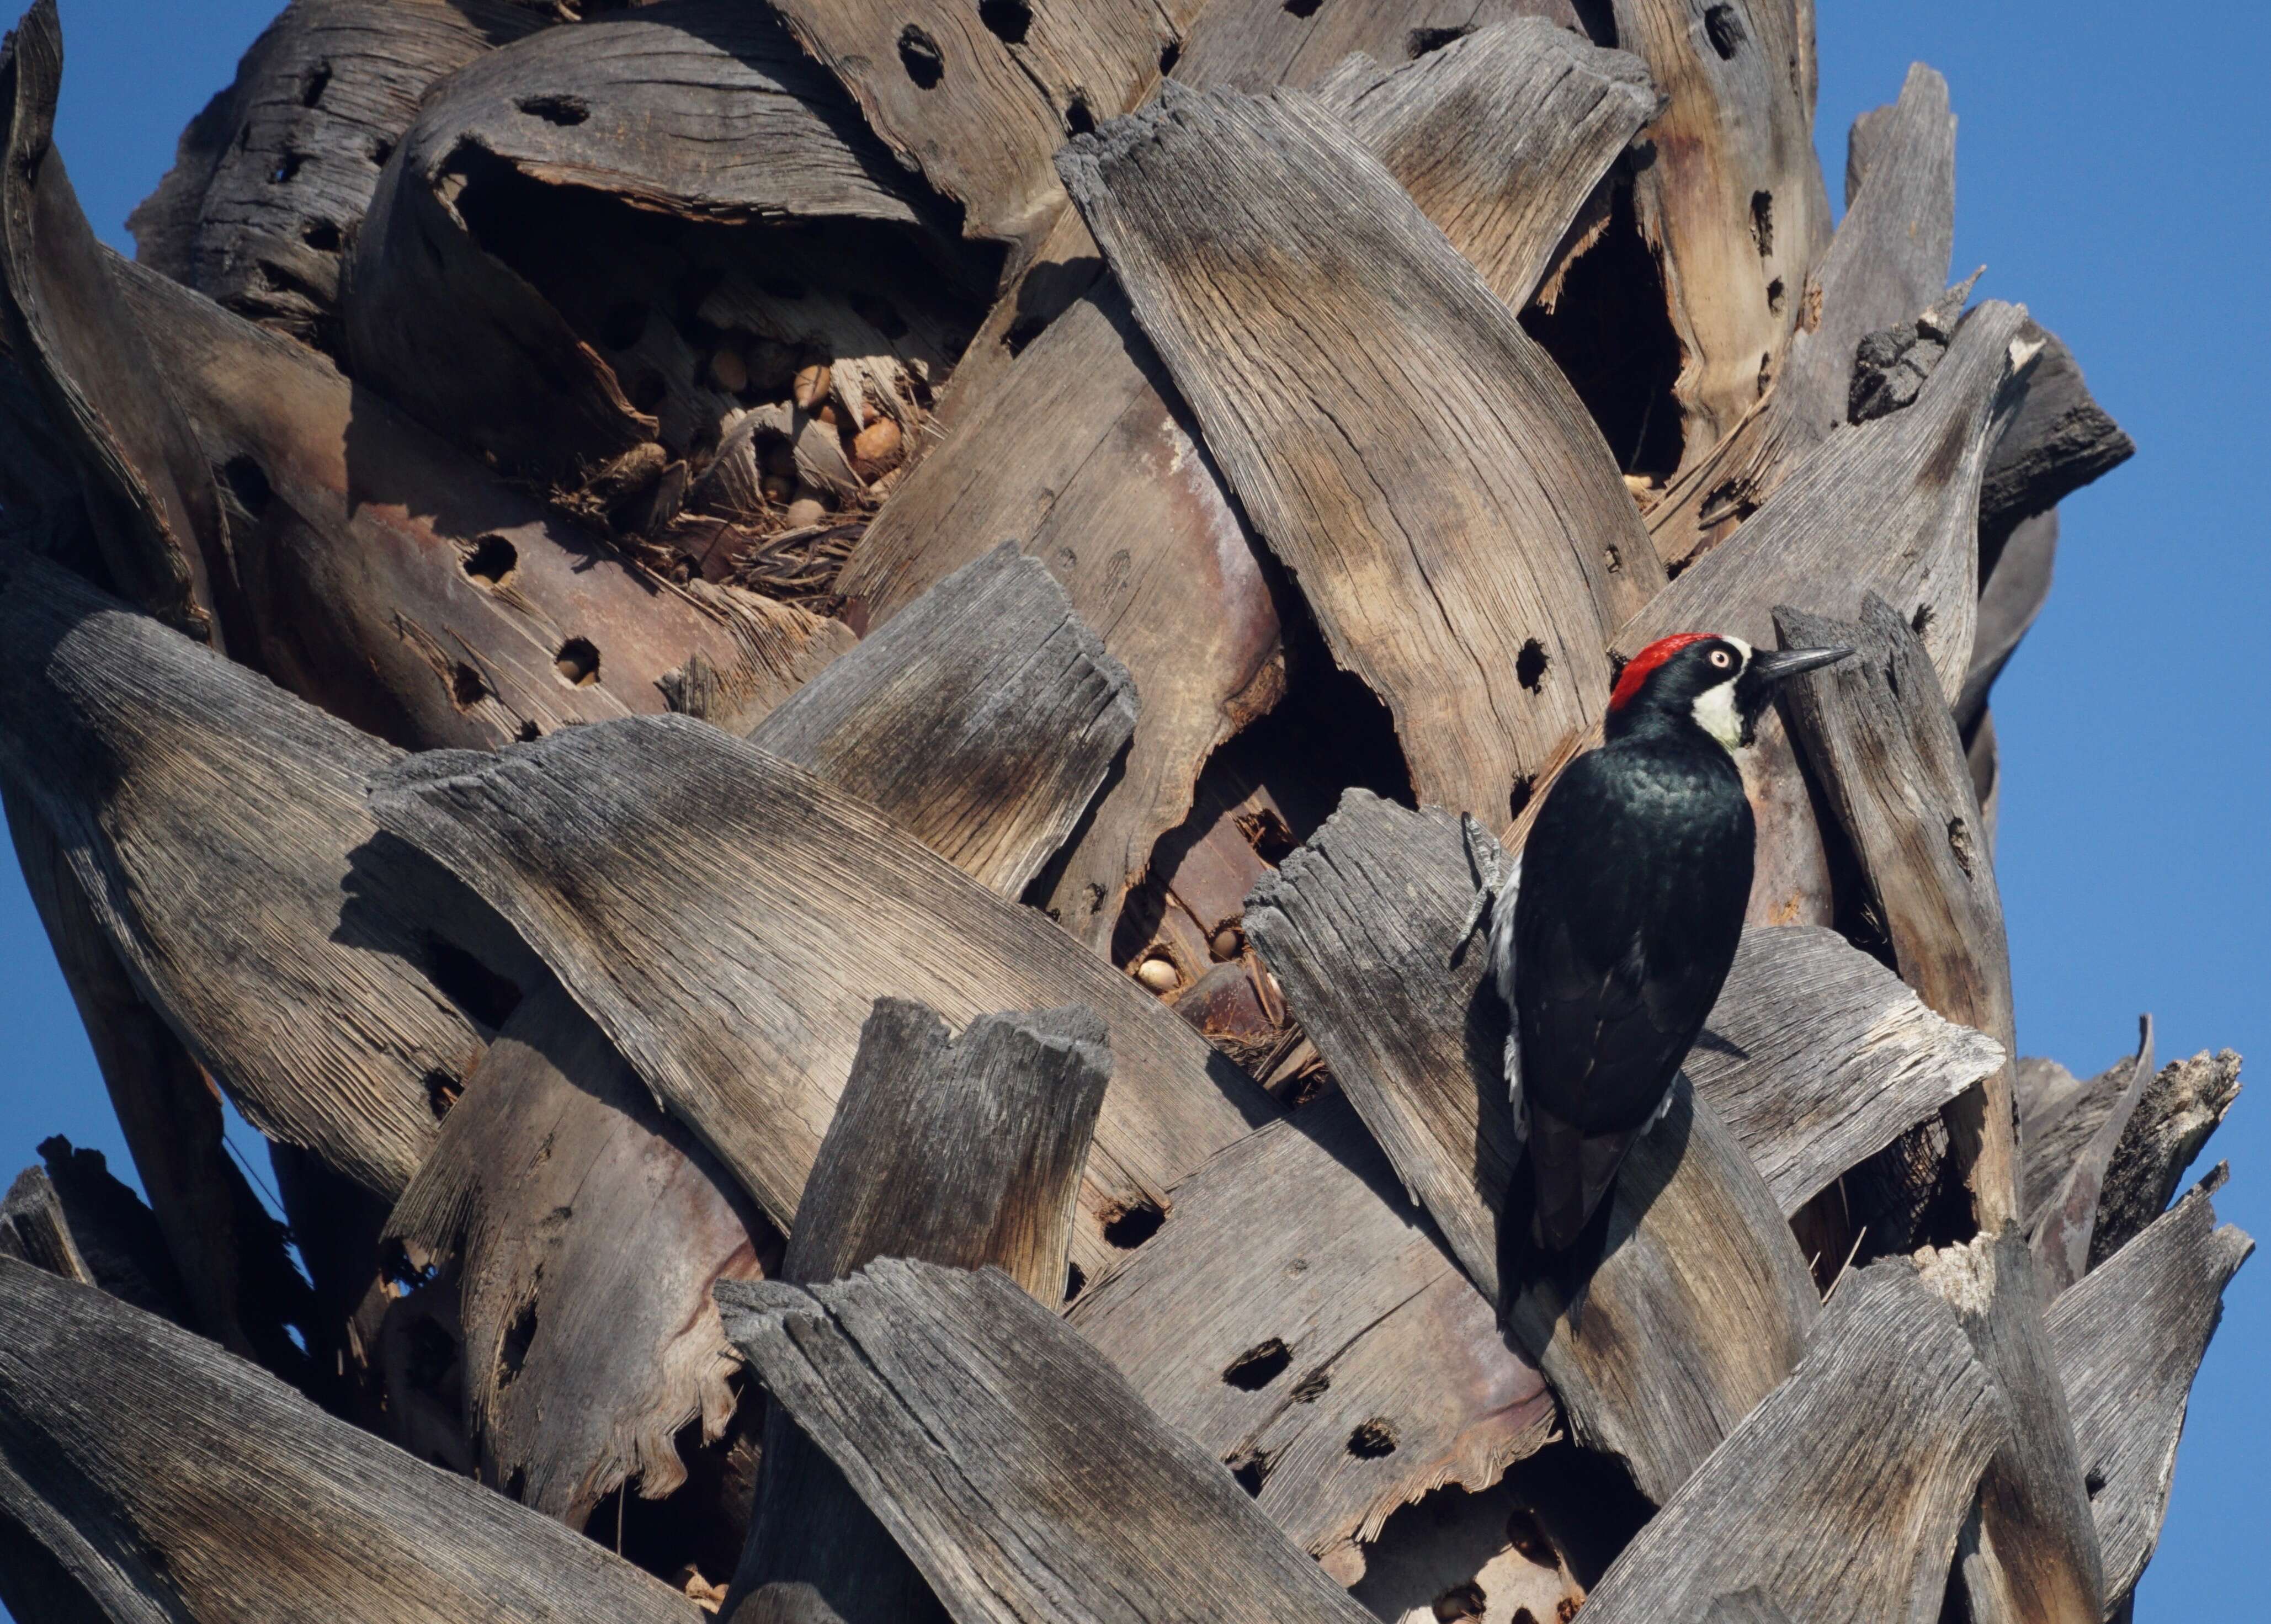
{"points": [[407, 588], [2063, 1226], [2058, 1114], [2057, 440], [35, 1230], [736, 983], [1342, 1364], [217, 827], [1431, 446], [1732, 205], [2128, 1339], [2181, 1107], [2014, 595], [964, 1153], [139, 1454], [978, 102], [576, 1232], [272, 177], [705, 110], [1359, 926], [982, 721], [1250, 44], [1877, 732], [2031, 1552], [76, 1220], [229, 1251], [157, 524], [1840, 1497], [1017, 1468], [1888, 261], [1498, 137], [1889, 507]]}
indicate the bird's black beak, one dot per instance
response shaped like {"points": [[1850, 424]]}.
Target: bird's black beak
{"points": [[1772, 668]]}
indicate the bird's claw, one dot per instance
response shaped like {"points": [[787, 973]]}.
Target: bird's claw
{"points": [[1482, 863]]}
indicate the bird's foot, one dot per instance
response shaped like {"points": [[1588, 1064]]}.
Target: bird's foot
{"points": [[1483, 863]]}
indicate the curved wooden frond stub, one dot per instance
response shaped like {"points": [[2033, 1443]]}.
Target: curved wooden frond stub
{"points": [[2065, 1222], [1360, 925], [800, 902], [1243, 43], [1731, 201], [1839, 1499], [217, 826], [404, 586], [1342, 1364], [273, 177], [575, 1232], [139, 1455], [2180, 1108], [2129, 1339], [1018, 1469], [519, 232], [2057, 440], [1888, 262], [1255, 234], [157, 524], [2012, 596], [965, 1153], [982, 721]]}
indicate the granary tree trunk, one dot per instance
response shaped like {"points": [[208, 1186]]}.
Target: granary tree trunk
{"points": [[787, 692]]}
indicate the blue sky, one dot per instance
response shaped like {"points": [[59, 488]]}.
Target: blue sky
{"points": [[2111, 176]]}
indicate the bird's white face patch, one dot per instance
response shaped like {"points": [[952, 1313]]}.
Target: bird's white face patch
{"points": [[1714, 707]]}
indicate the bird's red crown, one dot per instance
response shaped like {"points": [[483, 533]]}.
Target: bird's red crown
{"points": [[1636, 670]]}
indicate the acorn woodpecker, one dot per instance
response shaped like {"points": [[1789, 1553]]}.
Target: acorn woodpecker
{"points": [[1629, 906]]}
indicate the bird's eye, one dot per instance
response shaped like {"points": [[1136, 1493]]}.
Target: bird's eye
{"points": [[1722, 659]]}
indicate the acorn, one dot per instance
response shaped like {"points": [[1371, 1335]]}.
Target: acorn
{"points": [[876, 447], [805, 511], [1228, 942], [810, 386], [728, 371], [1158, 975]]}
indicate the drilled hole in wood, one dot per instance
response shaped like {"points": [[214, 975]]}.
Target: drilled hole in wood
{"points": [[492, 560], [1311, 1387], [516, 1484], [1530, 665], [321, 235], [577, 662], [1762, 222], [1724, 29], [286, 168], [1372, 1439], [514, 1354], [1523, 1533], [1959, 841], [528, 732], [1259, 1365], [1461, 1601], [1517, 799], [1921, 619], [1302, 8], [1133, 1225], [919, 54], [1008, 19], [1079, 119], [1170, 53], [555, 109], [2094, 1480], [466, 689], [247, 484], [1249, 1471], [381, 151], [1775, 297], [442, 1093], [312, 86], [1076, 1281], [1420, 42]]}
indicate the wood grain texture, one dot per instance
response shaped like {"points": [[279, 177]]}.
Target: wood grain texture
{"points": [[1018, 1469], [271, 180], [983, 721], [2032, 1552], [2063, 1226], [1360, 925], [2058, 1114], [734, 973], [240, 1288], [1431, 446], [702, 109], [2128, 1340], [2057, 440], [217, 828], [1877, 735], [1889, 507], [965, 1153], [976, 103], [1344, 1363], [1732, 205], [157, 524], [1888, 261], [136, 1455], [406, 587], [1254, 44], [73, 1217], [2180, 1108], [1839, 1499], [575, 1232]]}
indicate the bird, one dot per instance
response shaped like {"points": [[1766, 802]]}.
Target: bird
{"points": [[1629, 900]]}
